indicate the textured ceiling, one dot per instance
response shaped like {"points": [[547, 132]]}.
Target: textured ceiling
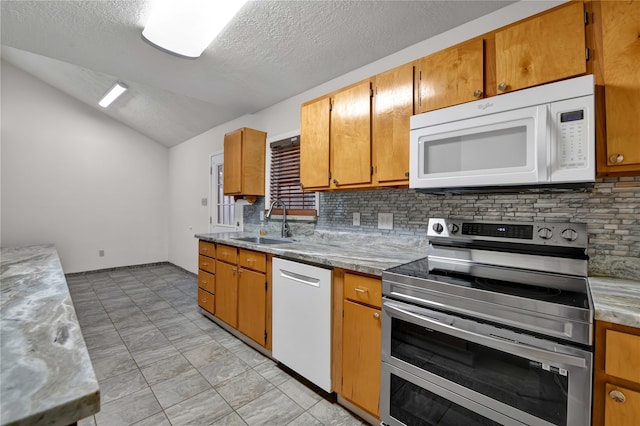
{"points": [[271, 51]]}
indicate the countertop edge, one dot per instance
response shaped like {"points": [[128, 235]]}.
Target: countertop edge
{"points": [[47, 374], [616, 300]]}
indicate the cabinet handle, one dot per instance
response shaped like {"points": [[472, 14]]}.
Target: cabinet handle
{"points": [[617, 396], [301, 185], [361, 290], [406, 174], [250, 260], [335, 182], [502, 86], [376, 315], [616, 159], [477, 94], [204, 263]]}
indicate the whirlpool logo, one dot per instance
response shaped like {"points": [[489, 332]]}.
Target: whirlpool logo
{"points": [[485, 106]]}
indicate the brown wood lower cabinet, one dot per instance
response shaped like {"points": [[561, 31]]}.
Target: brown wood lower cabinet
{"points": [[362, 333], [252, 297], [357, 339], [227, 293], [616, 387], [239, 293]]}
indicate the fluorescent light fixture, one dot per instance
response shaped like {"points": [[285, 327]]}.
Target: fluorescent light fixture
{"points": [[117, 90], [187, 27]]}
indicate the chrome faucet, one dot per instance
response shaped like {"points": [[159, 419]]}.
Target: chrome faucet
{"points": [[285, 225]]}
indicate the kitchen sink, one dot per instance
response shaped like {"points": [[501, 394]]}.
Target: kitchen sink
{"points": [[263, 240]]}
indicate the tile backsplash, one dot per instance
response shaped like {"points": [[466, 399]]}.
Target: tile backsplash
{"points": [[611, 211]]}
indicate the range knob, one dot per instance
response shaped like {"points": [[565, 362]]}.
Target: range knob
{"points": [[453, 228], [437, 227], [545, 233], [569, 234]]}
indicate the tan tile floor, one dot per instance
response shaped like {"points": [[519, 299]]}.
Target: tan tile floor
{"points": [[160, 362]]}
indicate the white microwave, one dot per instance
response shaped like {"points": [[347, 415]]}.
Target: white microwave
{"points": [[539, 136]]}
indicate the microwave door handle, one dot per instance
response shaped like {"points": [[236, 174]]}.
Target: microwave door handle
{"points": [[516, 348]]}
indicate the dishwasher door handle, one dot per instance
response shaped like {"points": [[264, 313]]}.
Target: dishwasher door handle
{"points": [[303, 279]]}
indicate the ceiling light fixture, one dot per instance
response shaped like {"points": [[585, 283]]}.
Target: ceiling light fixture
{"points": [[186, 28], [113, 93]]}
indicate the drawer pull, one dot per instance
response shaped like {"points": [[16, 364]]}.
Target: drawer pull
{"points": [[477, 94], [616, 158], [376, 315], [617, 396], [361, 290], [502, 86]]}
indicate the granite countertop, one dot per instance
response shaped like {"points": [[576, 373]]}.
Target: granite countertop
{"points": [[46, 375], [367, 253], [616, 300]]}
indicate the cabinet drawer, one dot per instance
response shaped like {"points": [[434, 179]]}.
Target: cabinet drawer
{"points": [[226, 253], [207, 281], [206, 248], [206, 300], [207, 264], [622, 355], [253, 260], [621, 406], [363, 289]]}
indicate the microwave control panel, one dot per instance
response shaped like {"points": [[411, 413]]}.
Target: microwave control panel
{"points": [[572, 139]]}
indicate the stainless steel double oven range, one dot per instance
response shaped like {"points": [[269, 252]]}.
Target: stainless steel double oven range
{"points": [[493, 327]]}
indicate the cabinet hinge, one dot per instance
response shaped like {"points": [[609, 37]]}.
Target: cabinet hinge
{"points": [[420, 76], [330, 104], [329, 175], [586, 18], [266, 285], [587, 54], [265, 336], [371, 170], [371, 92]]}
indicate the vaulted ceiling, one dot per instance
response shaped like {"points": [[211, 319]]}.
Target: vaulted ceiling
{"points": [[270, 51]]}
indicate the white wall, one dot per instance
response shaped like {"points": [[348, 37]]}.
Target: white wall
{"points": [[74, 177], [188, 163]]}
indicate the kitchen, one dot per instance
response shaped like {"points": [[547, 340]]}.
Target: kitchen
{"points": [[130, 222]]}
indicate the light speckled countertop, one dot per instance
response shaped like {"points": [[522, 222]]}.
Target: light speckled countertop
{"points": [[46, 375], [365, 253], [616, 300]]}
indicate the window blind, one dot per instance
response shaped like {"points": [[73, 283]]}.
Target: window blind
{"points": [[285, 178]]}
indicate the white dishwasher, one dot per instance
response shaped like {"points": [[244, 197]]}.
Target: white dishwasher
{"points": [[301, 319]]}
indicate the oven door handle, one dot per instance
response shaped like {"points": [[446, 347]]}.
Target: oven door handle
{"points": [[507, 345]]}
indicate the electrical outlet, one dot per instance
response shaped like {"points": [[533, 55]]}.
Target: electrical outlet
{"points": [[204, 201], [101, 253], [356, 219], [385, 220], [261, 215]]}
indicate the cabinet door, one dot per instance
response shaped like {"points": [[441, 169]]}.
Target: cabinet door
{"points": [[233, 163], [452, 76], [393, 107], [314, 144], [546, 48], [361, 346], [621, 59], [253, 161], [206, 300], [621, 407], [351, 136], [226, 300], [252, 305]]}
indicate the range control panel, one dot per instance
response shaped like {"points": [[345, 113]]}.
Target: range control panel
{"points": [[541, 233]]}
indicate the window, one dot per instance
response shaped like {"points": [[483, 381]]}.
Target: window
{"points": [[285, 179], [222, 210]]}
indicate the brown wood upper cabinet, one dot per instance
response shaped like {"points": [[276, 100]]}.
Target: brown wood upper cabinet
{"points": [[350, 138], [349, 141], [244, 162], [617, 37], [452, 76], [548, 47], [392, 110], [314, 144]]}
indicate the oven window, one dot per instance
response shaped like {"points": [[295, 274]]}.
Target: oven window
{"points": [[415, 406], [529, 386]]}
